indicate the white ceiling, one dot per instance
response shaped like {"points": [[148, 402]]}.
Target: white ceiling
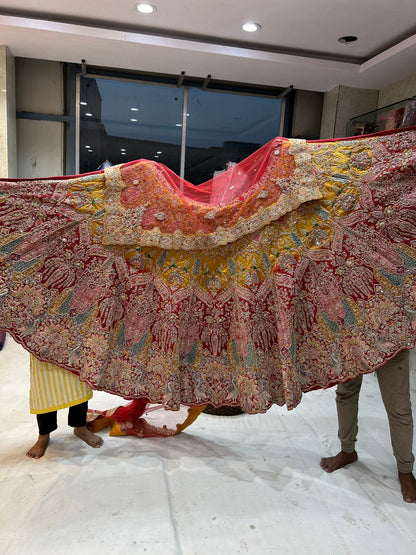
{"points": [[297, 44]]}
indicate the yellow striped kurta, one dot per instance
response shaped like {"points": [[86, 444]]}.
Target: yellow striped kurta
{"points": [[53, 388]]}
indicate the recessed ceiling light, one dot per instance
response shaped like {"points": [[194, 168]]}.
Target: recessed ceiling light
{"points": [[134, 109], [83, 103], [87, 146], [251, 27], [347, 39], [159, 152], [178, 125], [133, 119], [88, 114], [145, 8]]}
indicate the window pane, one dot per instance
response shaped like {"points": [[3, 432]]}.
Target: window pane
{"points": [[224, 128], [122, 121]]}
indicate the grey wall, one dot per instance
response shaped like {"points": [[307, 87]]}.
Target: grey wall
{"points": [[8, 162], [343, 103], [307, 114], [329, 112], [397, 91], [40, 144]]}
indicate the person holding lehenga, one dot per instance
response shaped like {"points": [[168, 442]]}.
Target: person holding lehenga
{"points": [[53, 388]]}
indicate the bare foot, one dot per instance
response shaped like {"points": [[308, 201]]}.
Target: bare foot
{"points": [[89, 437], [38, 450], [408, 484], [329, 464]]}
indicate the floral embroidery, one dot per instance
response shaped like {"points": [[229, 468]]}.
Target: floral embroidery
{"points": [[303, 277]]}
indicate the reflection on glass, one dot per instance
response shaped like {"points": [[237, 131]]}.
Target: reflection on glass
{"points": [[225, 128], [394, 116], [122, 121]]}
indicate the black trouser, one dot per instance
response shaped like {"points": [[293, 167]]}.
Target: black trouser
{"points": [[2, 339], [77, 417]]}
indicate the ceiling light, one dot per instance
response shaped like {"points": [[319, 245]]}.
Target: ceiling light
{"points": [[155, 156], [347, 39], [83, 103], [145, 8], [133, 119], [134, 109], [159, 152], [251, 27], [88, 114], [87, 146], [178, 125]]}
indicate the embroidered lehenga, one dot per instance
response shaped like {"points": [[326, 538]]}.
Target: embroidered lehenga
{"points": [[294, 270]]}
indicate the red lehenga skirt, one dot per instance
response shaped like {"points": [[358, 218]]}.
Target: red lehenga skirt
{"points": [[294, 270]]}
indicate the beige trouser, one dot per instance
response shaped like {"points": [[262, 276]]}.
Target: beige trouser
{"points": [[393, 380]]}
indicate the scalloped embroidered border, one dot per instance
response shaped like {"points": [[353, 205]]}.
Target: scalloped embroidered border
{"points": [[300, 191]]}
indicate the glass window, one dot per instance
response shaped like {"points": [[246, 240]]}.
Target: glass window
{"points": [[122, 121], [224, 128]]}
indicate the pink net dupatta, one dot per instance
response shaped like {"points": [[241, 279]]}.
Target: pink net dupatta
{"points": [[294, 270]]}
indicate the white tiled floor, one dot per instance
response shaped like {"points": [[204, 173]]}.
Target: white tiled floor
{"points": [[246, 484]]}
